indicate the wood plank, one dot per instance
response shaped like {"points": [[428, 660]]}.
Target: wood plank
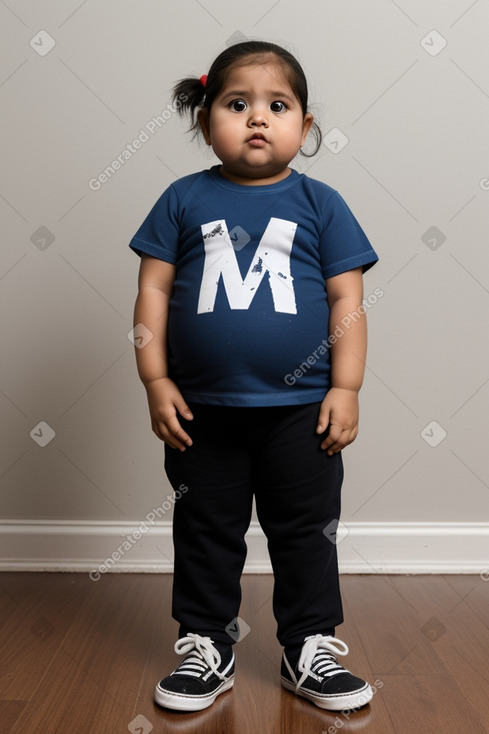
{"points": [[9, 713], [474, 590], [37, 611], [353, 632], [390, 631], [83, 657], [92, 681], [456, 635], [428, 703]]}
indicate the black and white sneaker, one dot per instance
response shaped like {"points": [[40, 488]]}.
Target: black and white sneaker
{"points": [[199, 679], [320, 678]]}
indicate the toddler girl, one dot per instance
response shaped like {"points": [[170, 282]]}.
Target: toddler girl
{"points": [[247, 271]]}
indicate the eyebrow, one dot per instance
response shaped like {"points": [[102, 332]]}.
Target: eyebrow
{"points": [[276, 94]]}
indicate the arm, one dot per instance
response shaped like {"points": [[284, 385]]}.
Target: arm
{"points": [[339, 409], [155, 285]]}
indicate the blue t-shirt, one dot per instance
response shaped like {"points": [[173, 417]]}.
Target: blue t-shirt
{"points": [[249, 304]]}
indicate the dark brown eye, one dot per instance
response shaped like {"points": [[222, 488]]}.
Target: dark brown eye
{"points": [[278, 106], [238, 105]]}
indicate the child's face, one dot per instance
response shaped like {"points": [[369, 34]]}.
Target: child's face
{"points": [[255, 100]]}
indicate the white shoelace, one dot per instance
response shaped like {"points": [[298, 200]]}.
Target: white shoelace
{"points": [[205, 656], [314, 660]]}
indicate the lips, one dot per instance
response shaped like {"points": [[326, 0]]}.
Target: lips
{"points": [[257, 140]]}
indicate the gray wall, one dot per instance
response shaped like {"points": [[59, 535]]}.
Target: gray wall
{"points": [[415, 172]]}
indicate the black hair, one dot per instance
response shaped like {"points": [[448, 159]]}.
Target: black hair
{"points": [[190, 95]]}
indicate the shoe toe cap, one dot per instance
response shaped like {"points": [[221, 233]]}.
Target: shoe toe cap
{"points": [[182, 685], [343, 683]]}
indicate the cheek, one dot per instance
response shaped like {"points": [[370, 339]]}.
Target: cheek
{"points": [[291, 138], [223, 136]]}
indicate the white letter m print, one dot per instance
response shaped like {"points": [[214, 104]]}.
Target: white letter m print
{"points": [[272, 256]]}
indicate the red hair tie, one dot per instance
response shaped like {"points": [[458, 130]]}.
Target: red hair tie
{"points": [[203, 80]]}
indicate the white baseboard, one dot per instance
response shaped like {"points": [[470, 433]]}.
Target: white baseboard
{"points": [[363, 547]]}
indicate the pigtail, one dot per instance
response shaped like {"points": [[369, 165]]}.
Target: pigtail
{"points": [[187, 97]]}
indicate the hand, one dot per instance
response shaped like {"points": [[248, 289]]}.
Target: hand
{"points": [[339, 411], [165, 400]]}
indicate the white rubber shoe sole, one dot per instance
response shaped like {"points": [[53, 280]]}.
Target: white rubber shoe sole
{"points": [[337, 702], [180, 702]]}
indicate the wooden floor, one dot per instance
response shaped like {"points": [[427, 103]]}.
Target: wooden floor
{"points": [[82, 656]]}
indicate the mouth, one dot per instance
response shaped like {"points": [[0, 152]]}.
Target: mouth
{"points": [[257, 139]]}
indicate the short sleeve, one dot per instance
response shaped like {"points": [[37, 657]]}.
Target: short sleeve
{"points": [[158, 235], [343, 245]]}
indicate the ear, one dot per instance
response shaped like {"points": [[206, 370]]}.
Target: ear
{"points": [[306, 126], [203, 120]]}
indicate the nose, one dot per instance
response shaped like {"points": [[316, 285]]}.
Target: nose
{"points": [[258, 118]]}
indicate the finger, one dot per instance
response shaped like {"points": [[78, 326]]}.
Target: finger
{"points": [[161, 432], [172, 441], [335, 448], [183, 409], [334, 434], [172, 433], [345, 439], [177, 432], [323, 419]]}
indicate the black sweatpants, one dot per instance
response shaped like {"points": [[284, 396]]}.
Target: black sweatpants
{"points": [[273, 453]]}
